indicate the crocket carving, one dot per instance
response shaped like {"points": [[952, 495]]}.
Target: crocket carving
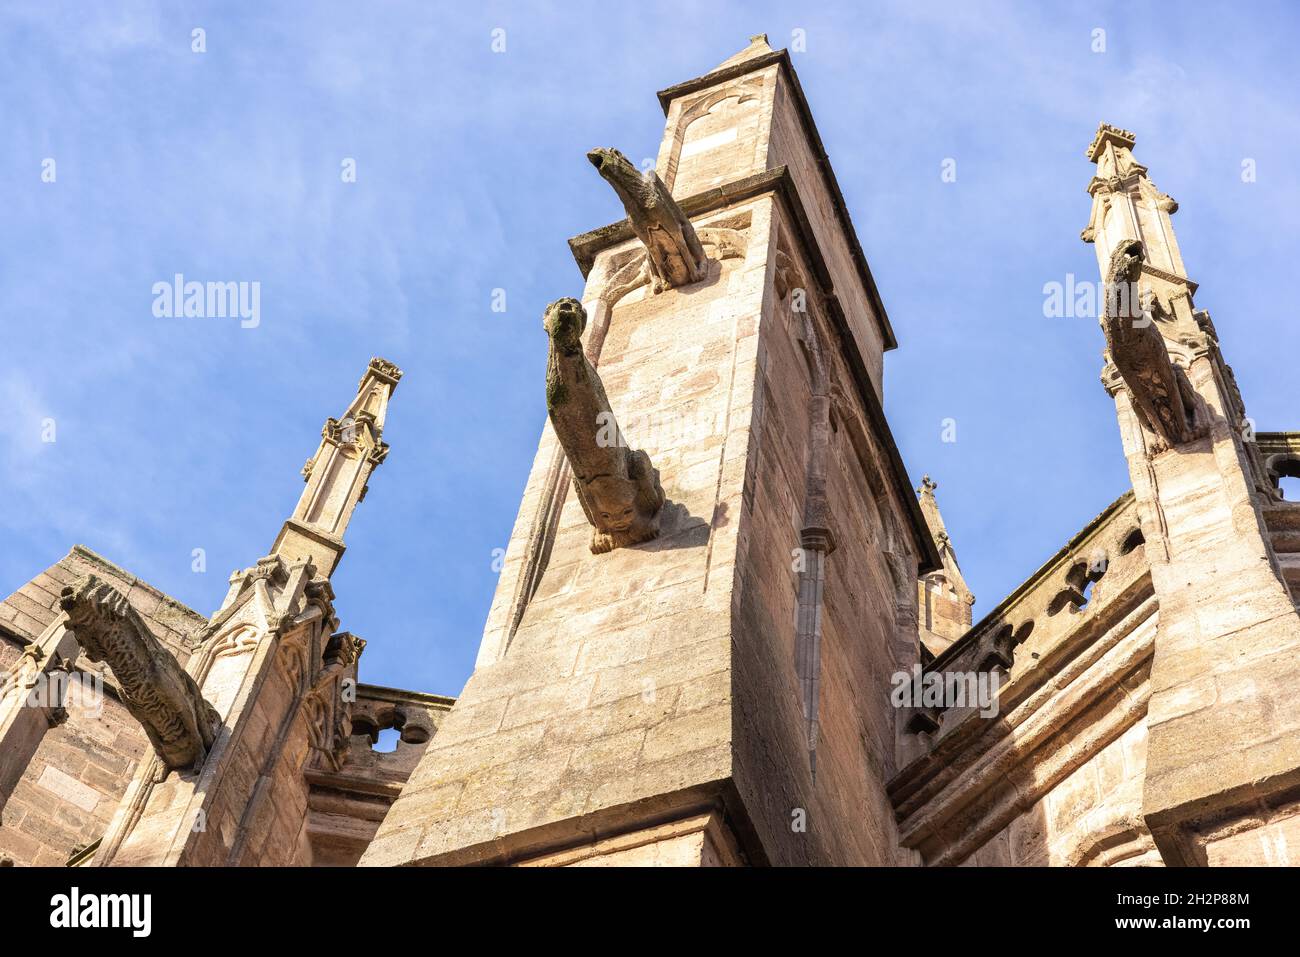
{"points": [[1162, 396], [673, 251], [159, 693], [619, 489]]}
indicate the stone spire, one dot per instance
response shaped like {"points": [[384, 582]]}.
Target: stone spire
{"points": [[758, 46], [351, 447], [265, 702], [1127, 205], [1212, 752], [944, 599]]}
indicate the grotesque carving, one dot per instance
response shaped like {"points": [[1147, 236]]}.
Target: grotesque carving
{"points": [[155, 689], [619, 489], [675, 254], [1162, 396]]}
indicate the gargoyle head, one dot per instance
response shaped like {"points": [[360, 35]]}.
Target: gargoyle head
{"points": [[87, 600], [618, 171], [95, 610], [1124, 295], [1126, 261], [564, 321]]}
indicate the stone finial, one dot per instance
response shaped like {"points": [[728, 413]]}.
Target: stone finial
{"points": [[1109, 134], [758, 46], [381, 369], [158, 692], [674, 253], [619, 489]]}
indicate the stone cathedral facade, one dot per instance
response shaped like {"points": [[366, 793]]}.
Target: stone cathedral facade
{"points": [[718, 571]]}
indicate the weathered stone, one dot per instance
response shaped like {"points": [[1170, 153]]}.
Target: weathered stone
{"points": [[165, 700], [723, 692], [674, 255], [618, 487]]}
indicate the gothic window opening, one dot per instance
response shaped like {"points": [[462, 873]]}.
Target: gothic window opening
{"points": [[1078, 587], [386, 731], [1132, 541]]}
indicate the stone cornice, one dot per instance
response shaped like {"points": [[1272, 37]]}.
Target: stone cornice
{"points": [[1169, 277], [953, 800], [1278, 443], [401, 695], [587, 246]]}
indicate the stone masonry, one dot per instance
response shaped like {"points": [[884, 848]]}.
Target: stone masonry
{"points": [[719, 583]]}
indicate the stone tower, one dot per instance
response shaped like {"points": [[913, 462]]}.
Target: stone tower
{"points": [[714, 688]]}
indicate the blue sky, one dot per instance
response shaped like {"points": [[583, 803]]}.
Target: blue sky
{"points": [[178, 434]]}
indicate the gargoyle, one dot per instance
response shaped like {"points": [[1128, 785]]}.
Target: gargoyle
{"points": [[673, 251], [1162, 396], [159, 693], [619, 489]]}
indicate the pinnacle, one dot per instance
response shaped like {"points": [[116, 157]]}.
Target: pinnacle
{"points": [[758, 46], [1105, 132]]}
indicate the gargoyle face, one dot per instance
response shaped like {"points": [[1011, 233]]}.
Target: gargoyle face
{"points": [[614, 502], [1126, 261], [564, 321], [616, 168], [1124, 298]]}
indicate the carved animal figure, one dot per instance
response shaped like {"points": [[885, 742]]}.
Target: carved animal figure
{"points": [[1161, 393], [619, 489], [180, 724], [674, 253]]}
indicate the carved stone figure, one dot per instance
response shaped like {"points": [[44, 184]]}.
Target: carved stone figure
{"points": [[619, 489], [1161, 394], [155, 689], [674, 253]]}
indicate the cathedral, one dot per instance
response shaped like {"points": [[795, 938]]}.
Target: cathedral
{"points": [[728, 629]]}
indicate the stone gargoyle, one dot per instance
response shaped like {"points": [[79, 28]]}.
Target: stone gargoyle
{"points": [[157, 691], [1162, 396], [675, 255], [618, 487]]}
